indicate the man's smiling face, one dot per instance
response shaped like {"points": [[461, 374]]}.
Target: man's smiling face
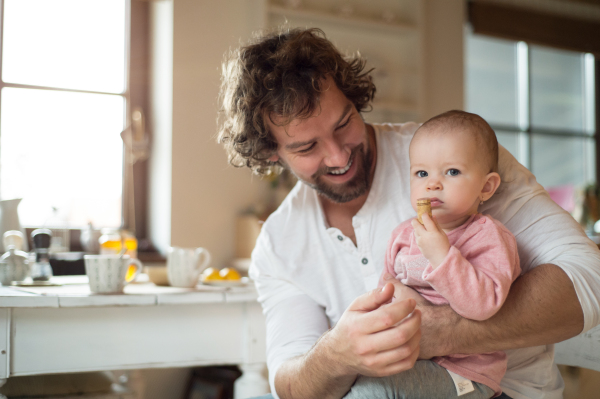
{"points": [[330, 151]]}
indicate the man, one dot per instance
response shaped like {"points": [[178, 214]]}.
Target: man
{"points": [[290, 100]]}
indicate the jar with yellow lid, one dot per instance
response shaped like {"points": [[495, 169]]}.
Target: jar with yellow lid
{"points": [[113, 240]]}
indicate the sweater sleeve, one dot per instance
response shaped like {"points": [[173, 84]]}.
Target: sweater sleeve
{"points": [[399, 240], [475, 277]]}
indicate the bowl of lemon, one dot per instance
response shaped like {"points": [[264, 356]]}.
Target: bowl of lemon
{"points": [[226, 277]]}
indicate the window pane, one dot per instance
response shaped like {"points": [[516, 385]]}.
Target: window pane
{"points": [[559, 161], [62, 150], [491, 79], [556, 89], [510, 141], [71, 44]]}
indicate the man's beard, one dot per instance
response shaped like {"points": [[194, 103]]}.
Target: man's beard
{"points": [[359, 185]]}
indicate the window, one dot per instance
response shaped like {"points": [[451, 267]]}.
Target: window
{"points": [[541, 103], [63, 104]]}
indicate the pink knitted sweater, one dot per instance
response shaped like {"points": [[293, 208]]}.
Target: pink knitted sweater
{"points": [[473, 279]]}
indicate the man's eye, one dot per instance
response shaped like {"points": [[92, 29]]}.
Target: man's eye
{"points": [[307, 149], [422, 173], [345, 123], [453, 172]]}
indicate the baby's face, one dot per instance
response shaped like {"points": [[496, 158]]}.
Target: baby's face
{"points": [[445, 168]]}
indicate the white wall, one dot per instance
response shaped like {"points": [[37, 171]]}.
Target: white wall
{"points": [[443, 56], [161, 122], [197, 204]]}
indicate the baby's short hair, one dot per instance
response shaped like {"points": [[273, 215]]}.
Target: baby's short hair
{"points": [[473, 124]]}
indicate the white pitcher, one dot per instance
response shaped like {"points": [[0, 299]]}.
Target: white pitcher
{"points": [[184, 265]]}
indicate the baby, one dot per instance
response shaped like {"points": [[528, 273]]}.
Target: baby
{"points": [[459, 257]]}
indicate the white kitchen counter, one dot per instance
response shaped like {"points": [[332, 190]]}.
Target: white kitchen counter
{"points": [[65, 329], [76, 293]]}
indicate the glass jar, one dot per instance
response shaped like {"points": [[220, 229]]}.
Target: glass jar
{"points": [[113, 240]]}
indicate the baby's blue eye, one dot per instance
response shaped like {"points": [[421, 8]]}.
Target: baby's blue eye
{"points": [[422, 173], [453, 172]]}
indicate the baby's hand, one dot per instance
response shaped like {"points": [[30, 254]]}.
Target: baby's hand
{"points": [[431, 240]]}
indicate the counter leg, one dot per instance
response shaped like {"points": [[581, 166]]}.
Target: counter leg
{"points": [[120, 381], [252, 381]]}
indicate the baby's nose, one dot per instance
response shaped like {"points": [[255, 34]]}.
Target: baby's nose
{"points": [[434, 184]]}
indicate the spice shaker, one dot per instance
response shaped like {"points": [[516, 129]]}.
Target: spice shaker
{"points": [[41, 269], [14, 264]]}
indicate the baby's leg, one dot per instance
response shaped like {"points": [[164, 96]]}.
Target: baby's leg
{"points": [[427, 380]]}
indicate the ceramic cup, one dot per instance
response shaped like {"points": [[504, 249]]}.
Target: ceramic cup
{"points": [[107, 273], [184, 265]]}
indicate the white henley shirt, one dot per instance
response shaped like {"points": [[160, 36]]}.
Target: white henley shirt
{"points": [[308, 273]]}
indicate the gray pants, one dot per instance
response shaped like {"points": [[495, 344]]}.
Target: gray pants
{"points": [[269, 396], [426, 380]]}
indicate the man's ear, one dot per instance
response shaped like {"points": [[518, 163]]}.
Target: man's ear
{"points": [[274, 158], [491, 185]]}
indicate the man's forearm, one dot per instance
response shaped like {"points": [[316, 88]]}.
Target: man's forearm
{"points": [[312, 375], [541, 308], [373, 337]]}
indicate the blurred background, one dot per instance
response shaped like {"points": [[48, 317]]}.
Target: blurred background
{"points": [[108, 108]]}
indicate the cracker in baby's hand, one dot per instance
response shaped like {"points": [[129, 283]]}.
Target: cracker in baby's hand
{"points": [[423, 206]]}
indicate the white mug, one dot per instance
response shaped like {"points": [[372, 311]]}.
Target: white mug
{"points": [[184, 265], [107, 273]]}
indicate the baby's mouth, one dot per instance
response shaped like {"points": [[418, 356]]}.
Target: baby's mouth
{"points": [[436, 201]]}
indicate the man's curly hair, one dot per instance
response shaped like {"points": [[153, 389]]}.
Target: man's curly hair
{"points": [[280, 75]]}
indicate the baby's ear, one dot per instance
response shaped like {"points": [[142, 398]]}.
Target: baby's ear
{"points": [[491, 185]]}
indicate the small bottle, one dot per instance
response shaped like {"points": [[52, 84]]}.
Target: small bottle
{"points": [[113, 240], [14, 264], [41, 269]]}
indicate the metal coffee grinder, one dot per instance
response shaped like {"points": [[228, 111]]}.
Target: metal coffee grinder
{"points": [[41, 269]]}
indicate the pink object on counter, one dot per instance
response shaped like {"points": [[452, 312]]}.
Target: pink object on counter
{"points": [[564, 196]]}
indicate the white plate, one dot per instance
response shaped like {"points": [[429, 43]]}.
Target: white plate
{"points": [[228, 283]]}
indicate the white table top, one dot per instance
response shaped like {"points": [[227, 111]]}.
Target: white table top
{"points": [[74, 291]]}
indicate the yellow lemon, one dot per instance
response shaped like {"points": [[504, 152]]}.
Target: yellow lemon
{"points": [[211, 274], [130, 273], [230, 274]]}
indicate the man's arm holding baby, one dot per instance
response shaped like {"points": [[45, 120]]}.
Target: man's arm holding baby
{"points": [[541, 308], [373, 338]]}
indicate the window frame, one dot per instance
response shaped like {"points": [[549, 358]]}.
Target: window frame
{"points": [[135, 95], [532, 27]]}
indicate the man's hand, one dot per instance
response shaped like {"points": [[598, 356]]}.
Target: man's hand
{"points": [[376, 338], [436, 321], [403, 292], [431, 240]]}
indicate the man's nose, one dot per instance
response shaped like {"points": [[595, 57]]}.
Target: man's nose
{"points": [[337, 155]]}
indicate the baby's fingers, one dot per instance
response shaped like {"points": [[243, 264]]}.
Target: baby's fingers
{"points": [[419, 229], [429, 223]]}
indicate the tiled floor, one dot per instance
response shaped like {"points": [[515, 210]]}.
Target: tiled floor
{"points": [[580, 383]]}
